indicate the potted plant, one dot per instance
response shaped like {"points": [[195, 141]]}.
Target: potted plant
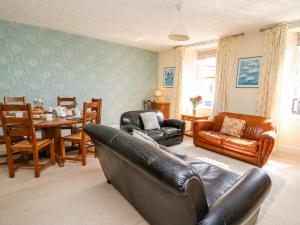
{"points": [[195, 102]]}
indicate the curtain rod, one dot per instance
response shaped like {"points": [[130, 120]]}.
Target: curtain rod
{"points": [[201, 43], [278, 24]]}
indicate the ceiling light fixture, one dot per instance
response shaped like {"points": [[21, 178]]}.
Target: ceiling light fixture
{"points": [[179, 33]]}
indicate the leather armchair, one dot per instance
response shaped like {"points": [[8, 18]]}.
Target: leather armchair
{"points": [[171, 131], [255, 145], [167, 190]]}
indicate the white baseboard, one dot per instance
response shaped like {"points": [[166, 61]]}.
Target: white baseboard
{"points": [[288, 149]]}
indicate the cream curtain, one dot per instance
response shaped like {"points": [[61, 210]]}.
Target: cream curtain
{"points": [[271, 72], [226, 56], [179, 70]]}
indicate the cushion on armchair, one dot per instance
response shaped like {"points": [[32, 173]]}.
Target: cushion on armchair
{"points": [[150, 121], [166, 132]]}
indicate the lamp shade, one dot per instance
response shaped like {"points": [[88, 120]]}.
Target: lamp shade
{"points": [[158, 93], [179, 33]]}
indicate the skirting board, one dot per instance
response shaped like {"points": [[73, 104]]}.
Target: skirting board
{"points": [[288, 149]]}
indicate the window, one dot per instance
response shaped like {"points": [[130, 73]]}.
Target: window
{"points": [[206, 75]]}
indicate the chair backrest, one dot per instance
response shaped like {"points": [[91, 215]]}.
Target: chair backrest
{"points": [[89, 114], [14, 100], [17, 126], [99, 109], [69, 102]]}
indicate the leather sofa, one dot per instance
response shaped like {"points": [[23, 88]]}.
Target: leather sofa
{"points": [[166, 190], [171, 131], [254, 146]]}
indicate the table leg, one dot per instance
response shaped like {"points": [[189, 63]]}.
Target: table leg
{"points": [[55, 133]]}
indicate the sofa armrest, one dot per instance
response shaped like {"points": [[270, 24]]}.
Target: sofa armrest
{"points": [[173, 123], [200, 125], [129, 128], [241, 201], [266, 143], [179, 124]]}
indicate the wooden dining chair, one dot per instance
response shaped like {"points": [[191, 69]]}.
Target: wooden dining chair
{"points": [[99, 109], [14, 100], [2, 143], [69, 102], [88, 116], [24, 127]]}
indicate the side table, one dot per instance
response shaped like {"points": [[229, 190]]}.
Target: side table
{"points": [[192, 118]]}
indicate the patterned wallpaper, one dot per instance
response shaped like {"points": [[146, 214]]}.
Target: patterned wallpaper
{"points": [[42, 63]]}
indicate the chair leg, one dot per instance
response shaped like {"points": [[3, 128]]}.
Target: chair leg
{"points": [[36, 163], [62, 152], [10, 163], [83, 152], [52, 153]]}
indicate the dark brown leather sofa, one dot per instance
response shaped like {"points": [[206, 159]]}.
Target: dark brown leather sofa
{"points": [[255, 145], [166, 190], [171, 131]]}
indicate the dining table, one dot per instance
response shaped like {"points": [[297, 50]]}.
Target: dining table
{"points": [[52, 129]]}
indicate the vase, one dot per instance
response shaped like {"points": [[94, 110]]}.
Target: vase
{"points": [[194, 111]]}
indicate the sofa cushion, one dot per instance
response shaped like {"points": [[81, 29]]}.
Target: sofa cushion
{"points": [[212, 136], [144, 137], [150, 121], [216, 180], [155, 134], [233, 127], [240, 144], [170, 131], [178, 154]]}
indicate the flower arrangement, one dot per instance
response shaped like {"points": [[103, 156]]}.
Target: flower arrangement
{"points": [[195, 102]]}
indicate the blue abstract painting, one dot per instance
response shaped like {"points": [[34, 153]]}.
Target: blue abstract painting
{"points": [[248, 72], [169, 73]]}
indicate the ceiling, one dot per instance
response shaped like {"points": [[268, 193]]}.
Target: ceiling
{"points": [[146, 23]]}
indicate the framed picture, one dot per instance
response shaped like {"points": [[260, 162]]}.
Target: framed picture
{"points": [[248, 72], [169, 74]]}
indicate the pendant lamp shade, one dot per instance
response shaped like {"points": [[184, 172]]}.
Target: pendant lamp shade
{"points": [[179, 32]]}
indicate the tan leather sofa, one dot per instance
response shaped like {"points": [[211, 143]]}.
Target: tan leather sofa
{"points": [[254, 146]]}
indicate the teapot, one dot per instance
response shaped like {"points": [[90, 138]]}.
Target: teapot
{"points": [[60, 111]]}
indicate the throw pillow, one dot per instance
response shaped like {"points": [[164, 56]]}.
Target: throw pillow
{"points": [[150, 121], [233, 127], [144, 137]]}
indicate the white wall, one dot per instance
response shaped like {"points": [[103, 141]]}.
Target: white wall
{"points": [[244, 100]]}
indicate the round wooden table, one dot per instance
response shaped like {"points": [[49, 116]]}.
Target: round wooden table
{"points": [[52, 129]]}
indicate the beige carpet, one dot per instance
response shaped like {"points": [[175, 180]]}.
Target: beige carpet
{"points": [[76, 195]]}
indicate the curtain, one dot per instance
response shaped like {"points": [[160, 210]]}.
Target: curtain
{"points": [[179, 69], [271, 72], [226, 56]]}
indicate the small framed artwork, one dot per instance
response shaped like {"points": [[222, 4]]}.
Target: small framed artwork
{"points": [[248, 73], [169, 75]]}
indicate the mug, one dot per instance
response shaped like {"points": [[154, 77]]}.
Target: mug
{"points": [[50, 109], [49, 117]]}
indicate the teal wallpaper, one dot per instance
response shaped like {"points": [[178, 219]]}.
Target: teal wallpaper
{"points": [[42, 63]]}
